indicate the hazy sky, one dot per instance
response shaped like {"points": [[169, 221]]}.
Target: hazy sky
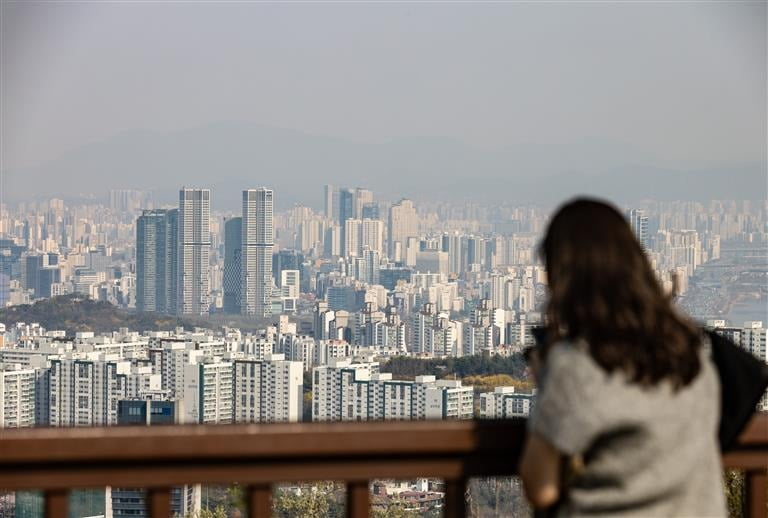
{"points": [[683, 82]]}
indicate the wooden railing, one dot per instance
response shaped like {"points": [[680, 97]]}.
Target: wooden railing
{"points": [[256, 456]]}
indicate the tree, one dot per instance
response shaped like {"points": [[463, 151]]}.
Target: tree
{"points": [[218, 512], [315, 501]]}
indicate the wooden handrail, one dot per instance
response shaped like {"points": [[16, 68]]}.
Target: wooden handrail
{"points": [[260, 454]]}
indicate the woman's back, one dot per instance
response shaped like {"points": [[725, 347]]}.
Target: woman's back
{"points": [[647, 450]]}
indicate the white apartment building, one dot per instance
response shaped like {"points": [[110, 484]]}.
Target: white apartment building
{"points": [[208, 392], [753, 339], [300, 349], [346, 391], [85, 392], [327, 350], [268, 390], [17, 397], [171, 361], [141, 380], [504, 403]]}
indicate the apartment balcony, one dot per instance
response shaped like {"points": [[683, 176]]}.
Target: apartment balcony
{"points": [[258, 455]]}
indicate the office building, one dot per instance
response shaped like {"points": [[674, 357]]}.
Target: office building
{"points": [[285, 259], [156, 260], [194, 252], [257, 244], [132, 502], [147, 412], [233, 236]]}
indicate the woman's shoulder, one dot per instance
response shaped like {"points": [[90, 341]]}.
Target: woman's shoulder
{"points": [[572, 360]]}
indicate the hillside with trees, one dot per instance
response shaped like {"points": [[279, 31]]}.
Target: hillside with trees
{"points": [[73, 313], [403, 367]]}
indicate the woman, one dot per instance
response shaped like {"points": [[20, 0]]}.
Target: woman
{"points": [[626, 418]]}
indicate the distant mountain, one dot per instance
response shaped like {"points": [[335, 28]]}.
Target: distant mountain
{"points": [[228, 157]]}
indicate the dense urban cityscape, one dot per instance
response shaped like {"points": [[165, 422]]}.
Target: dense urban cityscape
{"points": [[301, 314]]}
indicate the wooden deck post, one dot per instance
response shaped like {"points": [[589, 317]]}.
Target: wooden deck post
{"points": [[56, 503]]}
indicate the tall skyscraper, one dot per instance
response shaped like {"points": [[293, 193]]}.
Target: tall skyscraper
{"points": [[233, 239], [346, 211], [363, 197], [639, 223], [257, 244], [328, 195], [194, 251], [403, 223], [156, 260]]}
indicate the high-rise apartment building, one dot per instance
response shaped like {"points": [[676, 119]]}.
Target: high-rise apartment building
{"points": [[403, 223], [157, 260], [257, 245], [208, 392], [85, 392], [346, 211], [639, 223], [268, 390], [363, 197], [346, 391], [17, 397], [328, 198], [194, 251], [232, 276]]}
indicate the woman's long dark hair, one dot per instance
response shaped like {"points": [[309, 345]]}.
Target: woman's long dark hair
{"points": [[603, 290]]}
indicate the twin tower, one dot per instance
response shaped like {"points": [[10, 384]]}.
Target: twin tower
{"points": [[173, 249]]}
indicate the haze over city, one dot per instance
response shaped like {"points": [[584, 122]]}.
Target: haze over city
{"points": [[489, 99]]}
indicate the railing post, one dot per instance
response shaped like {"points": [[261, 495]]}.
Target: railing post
{"points": [[756, 501], [56, 503], [260, 501], [358, 499], [455, 498], [159, 502]]}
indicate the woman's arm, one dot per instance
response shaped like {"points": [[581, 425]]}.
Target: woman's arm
{"points": [[540, 471]]}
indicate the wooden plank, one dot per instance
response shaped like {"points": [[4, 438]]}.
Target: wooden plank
{"points": [[260, 501], [455, 498], [756, 485], [297, 440], [358, 499], [746, 459], [159, 502], [56, 503]]}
